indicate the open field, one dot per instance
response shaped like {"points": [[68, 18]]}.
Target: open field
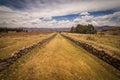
{"points": [[59, 59], [109, 43], [59, 39], [11, 42]]}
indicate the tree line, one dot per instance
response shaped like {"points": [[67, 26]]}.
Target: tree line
{"points": [[83, 29], [12, 29]]}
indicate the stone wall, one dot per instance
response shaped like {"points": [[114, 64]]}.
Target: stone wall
{"points": [[6, 62], [98, 53]]}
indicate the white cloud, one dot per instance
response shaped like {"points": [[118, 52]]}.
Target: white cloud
{"points": [[37, 12], [65, 7], [84, 13], [111, 19]]}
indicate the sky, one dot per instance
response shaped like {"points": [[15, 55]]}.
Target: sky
{"points": [[59, 13]]}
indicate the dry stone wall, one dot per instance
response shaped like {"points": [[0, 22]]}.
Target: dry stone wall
{"points": [[98, 53], [6, 62]]}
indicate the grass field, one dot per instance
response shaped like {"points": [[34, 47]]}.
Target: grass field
{"points": [[59, 59], [110, 43], [11, 42]]}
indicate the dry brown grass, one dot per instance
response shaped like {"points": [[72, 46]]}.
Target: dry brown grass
{"points": [[109, 43], [59, 59], [11, 42]]}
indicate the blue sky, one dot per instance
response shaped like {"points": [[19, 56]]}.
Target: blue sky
{"points": [[58, 13], [95, 13]]}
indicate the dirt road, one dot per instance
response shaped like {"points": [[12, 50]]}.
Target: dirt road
{"points": [[60, 59]]}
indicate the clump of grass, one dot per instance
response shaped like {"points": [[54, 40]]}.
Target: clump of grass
{"points": [[90, 38], [110, 43], [11, 42], [101, 34]]}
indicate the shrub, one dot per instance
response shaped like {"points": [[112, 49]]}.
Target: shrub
{"points": [[72, 29], [83, 29]]}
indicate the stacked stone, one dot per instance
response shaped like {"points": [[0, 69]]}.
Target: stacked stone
{"points": [[6, 62], [97, 52]]}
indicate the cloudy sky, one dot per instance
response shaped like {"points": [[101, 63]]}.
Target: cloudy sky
{"points": [[58, 13]]}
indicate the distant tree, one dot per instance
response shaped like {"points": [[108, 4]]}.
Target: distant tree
{"points": [[84, 29], [91, 29], [4, 29], [77, 29], [72, 29]]}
